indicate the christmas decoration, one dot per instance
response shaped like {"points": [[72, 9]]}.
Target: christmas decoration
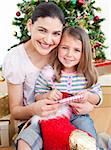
{"points": [[96, 18], [59, 134], [18, 13], [14, 33], [77, 12], [81, 2], [2, 79]]}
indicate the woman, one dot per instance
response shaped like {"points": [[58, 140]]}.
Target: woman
{"points": [[23, 63]]}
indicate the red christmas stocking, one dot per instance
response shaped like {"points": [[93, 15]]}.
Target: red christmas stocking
{"points": [[56, 132]]}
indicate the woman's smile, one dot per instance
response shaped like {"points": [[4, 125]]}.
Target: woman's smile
{"points": [[44, 46]]}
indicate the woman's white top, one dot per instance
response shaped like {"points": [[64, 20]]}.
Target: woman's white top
{"points": [[18, 69]]}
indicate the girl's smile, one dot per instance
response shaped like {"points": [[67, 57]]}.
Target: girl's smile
{"points": [[69, 52]]}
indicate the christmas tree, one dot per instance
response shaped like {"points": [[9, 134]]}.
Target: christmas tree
{"points": [[77, 13]]}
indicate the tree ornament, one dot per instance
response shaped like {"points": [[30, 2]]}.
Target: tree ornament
{"points": [[97, 45], [96, 18], [14, 33], [2, 79], [18, 13], [73, 2], [29, 33], [80, 2]]}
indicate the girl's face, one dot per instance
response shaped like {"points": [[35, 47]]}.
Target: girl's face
{"points": [[69, 52], [45, 34]]}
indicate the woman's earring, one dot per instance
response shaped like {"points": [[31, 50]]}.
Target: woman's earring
{"points": [[29, 33]]}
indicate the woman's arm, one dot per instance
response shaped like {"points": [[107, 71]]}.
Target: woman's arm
{"points": [[20, 112]]}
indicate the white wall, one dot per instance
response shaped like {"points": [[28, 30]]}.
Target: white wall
{"points": [[8, 10], [105, 5]]}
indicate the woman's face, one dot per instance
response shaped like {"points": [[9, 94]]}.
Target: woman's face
{"points": [[69, 52], [45, 34]]}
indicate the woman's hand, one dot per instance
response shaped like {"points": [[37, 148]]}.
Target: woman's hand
{"points": [[44, 107], [81, 108]]}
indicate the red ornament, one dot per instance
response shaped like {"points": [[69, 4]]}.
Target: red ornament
{"points": [[96, 18], [81, 2], [97, 45], [18, 13]]}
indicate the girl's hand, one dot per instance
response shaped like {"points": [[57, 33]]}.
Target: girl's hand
{"points": [[81, 108], [54, 95], [44, 107], [84, 99]]}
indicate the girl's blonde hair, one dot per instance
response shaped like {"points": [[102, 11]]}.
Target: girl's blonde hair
{"points": [[85, 65]]}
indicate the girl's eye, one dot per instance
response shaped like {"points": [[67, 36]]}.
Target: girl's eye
{"points": [[63, 47], [77, 50]]}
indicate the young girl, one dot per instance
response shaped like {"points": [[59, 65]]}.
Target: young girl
{"points": [[72, 72]]}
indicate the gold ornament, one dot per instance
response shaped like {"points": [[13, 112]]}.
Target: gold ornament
{"points": [[14, 33], [2, 79], [80, 140]]}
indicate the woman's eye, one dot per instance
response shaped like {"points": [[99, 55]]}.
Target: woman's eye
{"points": [[57, 34], [41, 30]]}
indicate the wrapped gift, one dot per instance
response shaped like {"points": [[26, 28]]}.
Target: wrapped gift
{"points": [[80, 140], [4, 106], [4, 133]]}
